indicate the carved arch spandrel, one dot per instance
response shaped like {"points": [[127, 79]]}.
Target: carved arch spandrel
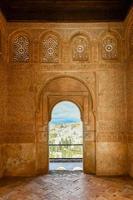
{"points": [[91, 92], [50, 47], [20, 47]]}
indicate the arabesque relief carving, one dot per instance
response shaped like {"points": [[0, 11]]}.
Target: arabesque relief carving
{"points": [[80, 48], [109, 48]]}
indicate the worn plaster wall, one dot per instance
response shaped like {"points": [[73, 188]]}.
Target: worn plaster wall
{"points": [[90, 52], [3, 90], [129, 47], [20, 147]]}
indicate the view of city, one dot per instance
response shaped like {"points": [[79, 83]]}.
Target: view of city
{"points": [[65, 132], [65, 140]]}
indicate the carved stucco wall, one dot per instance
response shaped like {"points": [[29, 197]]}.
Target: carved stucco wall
{"points": [[129, 47], [94, 54]]}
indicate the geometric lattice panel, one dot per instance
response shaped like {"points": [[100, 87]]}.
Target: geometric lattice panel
{"points": [[50, 49], [20, 49]]}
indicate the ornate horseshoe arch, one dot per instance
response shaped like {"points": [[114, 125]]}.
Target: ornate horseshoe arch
{"points": [[57, 90]]}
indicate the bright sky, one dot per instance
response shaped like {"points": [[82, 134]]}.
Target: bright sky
{"points": [[66, 110]]}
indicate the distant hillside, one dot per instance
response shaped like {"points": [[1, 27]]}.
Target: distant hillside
{"points": [[64, 121]]}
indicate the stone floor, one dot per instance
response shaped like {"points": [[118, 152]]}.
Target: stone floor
{"points": [[66, 186]]}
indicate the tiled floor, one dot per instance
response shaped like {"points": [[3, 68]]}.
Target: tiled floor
{"points": [[67, 186]]}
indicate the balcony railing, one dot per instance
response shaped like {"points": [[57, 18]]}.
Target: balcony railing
{"points": [[65, 151]]}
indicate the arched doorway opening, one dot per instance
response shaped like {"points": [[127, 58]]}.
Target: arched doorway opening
{"points": [[59, 89], [66, 137]]}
